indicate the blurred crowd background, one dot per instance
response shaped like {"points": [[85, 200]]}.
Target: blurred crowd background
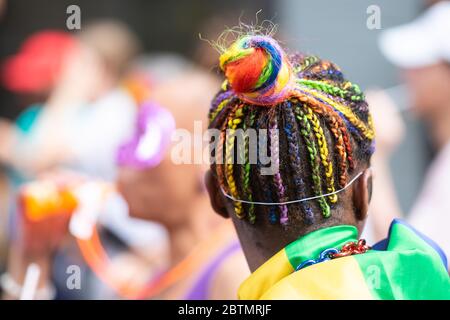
{"points": [[70, 99]]}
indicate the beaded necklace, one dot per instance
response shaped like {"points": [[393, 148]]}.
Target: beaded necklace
{"points": [[350, 248]]}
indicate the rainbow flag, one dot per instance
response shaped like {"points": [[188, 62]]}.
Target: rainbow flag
{"points": [[406, 265]]}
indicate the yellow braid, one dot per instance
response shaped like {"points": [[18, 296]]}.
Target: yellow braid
{"points": [[233, 121], [218, 109], [370, 122], [323, 152]]}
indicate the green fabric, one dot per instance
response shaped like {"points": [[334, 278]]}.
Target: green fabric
{"points": [[410, 268], [311, 245]]}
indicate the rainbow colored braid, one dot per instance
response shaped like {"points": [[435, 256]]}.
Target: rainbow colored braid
{"points": [[291, 128], [218, 109], [314, 161], [266, 182], [323, 151], [347, 112], [219, 159], [355, 95], [279, 186], [233, 121], [338, 130], [219, 98], [320, 117], [245, 174]]}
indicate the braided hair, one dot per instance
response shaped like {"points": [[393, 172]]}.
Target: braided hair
{"points": [[323, 124]]}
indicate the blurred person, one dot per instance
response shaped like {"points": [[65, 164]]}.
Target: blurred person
{"points": [[390, 131], [421, 50], [30, 74], [174, 196], [35, 69], [158, 190], [299, 226], [87, 114], [83, 116]]}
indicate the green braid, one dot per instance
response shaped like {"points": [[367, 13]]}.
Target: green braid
{"points": [[356, 95], [314, 160], [245, 173]]}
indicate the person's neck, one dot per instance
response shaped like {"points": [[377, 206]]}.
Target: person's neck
{"points": [[440, 129], [257, 255], [198, 224]]}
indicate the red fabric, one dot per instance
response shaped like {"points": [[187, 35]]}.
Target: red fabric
{"points": [[38, 63]]}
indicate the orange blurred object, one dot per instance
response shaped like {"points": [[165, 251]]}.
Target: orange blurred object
{"points": [[97, 259], [44, 199]]}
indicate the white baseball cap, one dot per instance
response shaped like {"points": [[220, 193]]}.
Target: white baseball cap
{"points": [[423, 42]]}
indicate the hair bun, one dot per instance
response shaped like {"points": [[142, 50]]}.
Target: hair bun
{"points": [[257, 70]]}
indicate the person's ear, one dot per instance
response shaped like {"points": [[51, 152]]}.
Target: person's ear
{"points": [[362, 192], [215, 196]]}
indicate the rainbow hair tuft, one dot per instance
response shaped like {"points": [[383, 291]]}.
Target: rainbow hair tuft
{"points": [[257, 70]]}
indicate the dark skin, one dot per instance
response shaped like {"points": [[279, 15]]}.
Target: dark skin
{"points": [[263, 240]]}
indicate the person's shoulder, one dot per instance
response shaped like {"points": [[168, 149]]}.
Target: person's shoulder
{"points": [[229, 276]]}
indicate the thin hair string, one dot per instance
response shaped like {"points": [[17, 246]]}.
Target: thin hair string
{"points": [[294, 201]]}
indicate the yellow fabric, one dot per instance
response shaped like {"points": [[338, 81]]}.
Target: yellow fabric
{"points": [[335, 279], [339, 279], [265, 277]]}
